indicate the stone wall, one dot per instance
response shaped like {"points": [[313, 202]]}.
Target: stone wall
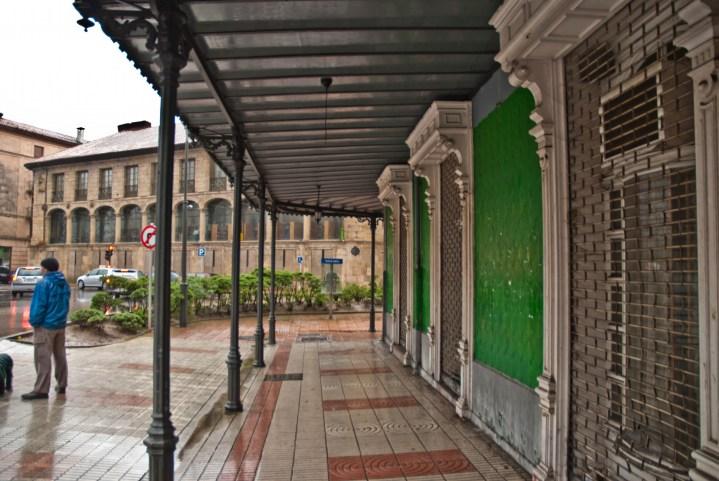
{"points": [[16, 183]]}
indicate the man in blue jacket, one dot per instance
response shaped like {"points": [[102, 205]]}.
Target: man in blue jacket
{"points": [[48, 317]]}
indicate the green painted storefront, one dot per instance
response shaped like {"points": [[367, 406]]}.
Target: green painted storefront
{"points": [[388, 260], [421, 245], [508, 242]]}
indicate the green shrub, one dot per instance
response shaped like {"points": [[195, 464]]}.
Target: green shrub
{"points": [[87, 317], [117, 283], [135, 284], [129, 321], [104, 302], [354, 293], [320, 299]]}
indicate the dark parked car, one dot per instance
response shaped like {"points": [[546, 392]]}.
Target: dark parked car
{"points": [[5, 275]]}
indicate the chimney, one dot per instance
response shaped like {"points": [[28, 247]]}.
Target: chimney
{"points": [[130, 126], [80, 135]]}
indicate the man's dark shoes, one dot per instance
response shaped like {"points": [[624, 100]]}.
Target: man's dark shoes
{"points": [[60, 390], [31, 396]]}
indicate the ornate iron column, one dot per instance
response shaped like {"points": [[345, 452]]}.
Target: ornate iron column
{"points": [[373, 229], [260, 332], [183, 257], [234, 357], [273, 255], [172, 56]]}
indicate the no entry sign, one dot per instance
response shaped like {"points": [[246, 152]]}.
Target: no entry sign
{"points": [[148, 236]]}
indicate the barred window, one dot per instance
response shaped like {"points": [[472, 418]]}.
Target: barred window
{"points": [[219, 220], [130, 223], [192, 221], [57, 226], [80, 226], [105, 225]]}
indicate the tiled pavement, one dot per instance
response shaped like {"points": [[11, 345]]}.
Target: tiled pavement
{"points": [[349, 411], [338, 410]]}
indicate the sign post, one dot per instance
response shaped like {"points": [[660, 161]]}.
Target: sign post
{"points": [[332, 262], [148, 238]]}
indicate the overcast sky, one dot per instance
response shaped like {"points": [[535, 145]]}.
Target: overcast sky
{"points": [[56, 76]]}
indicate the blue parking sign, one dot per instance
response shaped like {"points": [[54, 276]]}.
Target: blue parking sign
{"points": [[300, 259], [201, 252]]}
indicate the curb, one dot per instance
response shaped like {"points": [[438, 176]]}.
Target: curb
{"points": [[212, 411]]}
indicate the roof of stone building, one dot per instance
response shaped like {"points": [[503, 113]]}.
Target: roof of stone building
{"points": [[12, 125], [121, 144]]}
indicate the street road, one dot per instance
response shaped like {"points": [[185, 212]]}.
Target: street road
{"points": [[15, 313]]}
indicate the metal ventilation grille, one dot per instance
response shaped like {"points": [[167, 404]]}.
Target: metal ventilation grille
{"points": [[634, 345], [402, 272], [451, 248], [631, 119]]}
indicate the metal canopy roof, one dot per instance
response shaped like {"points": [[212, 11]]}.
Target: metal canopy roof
{"points": [[258, 65]]}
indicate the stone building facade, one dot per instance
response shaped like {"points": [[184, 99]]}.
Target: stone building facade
{"points": [[103, 192], [19, 144]]}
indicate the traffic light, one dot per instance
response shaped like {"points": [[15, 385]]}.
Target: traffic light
{"points": [[108, 253]]}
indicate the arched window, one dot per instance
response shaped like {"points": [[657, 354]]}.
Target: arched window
{"points": [[57, 227], [130, 223], [193, 222], [329, 228], [219, 219], [105, 225], [290, 227], [80, 226], [249, 222], [150, 214]]}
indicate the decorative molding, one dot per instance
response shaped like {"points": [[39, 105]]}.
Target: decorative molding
{"points": [[393, 181], [463, 351], [701, 40], [546, 29]]}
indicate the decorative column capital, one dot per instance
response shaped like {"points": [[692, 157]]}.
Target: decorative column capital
{"points": [[393, 182], [172, 48], [701, 40], [445, 128]]}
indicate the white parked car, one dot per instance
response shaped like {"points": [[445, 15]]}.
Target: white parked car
{"points": [[24, 280], [97, 277]]}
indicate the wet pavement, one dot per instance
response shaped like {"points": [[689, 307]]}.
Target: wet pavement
{"points": [[340, 409], [15, 312]]}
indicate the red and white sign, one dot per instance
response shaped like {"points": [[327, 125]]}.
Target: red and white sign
{"points": [[148, 236]]}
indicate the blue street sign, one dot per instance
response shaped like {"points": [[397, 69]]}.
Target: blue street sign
{"points": [[331, 260], [201, 252], [300, 259]]}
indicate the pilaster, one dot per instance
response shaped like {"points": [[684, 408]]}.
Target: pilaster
{"points": [[701, 41], [446, 129], [545, 80], [68, 227], [118, 225], [395, 182], [93, 226]]}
